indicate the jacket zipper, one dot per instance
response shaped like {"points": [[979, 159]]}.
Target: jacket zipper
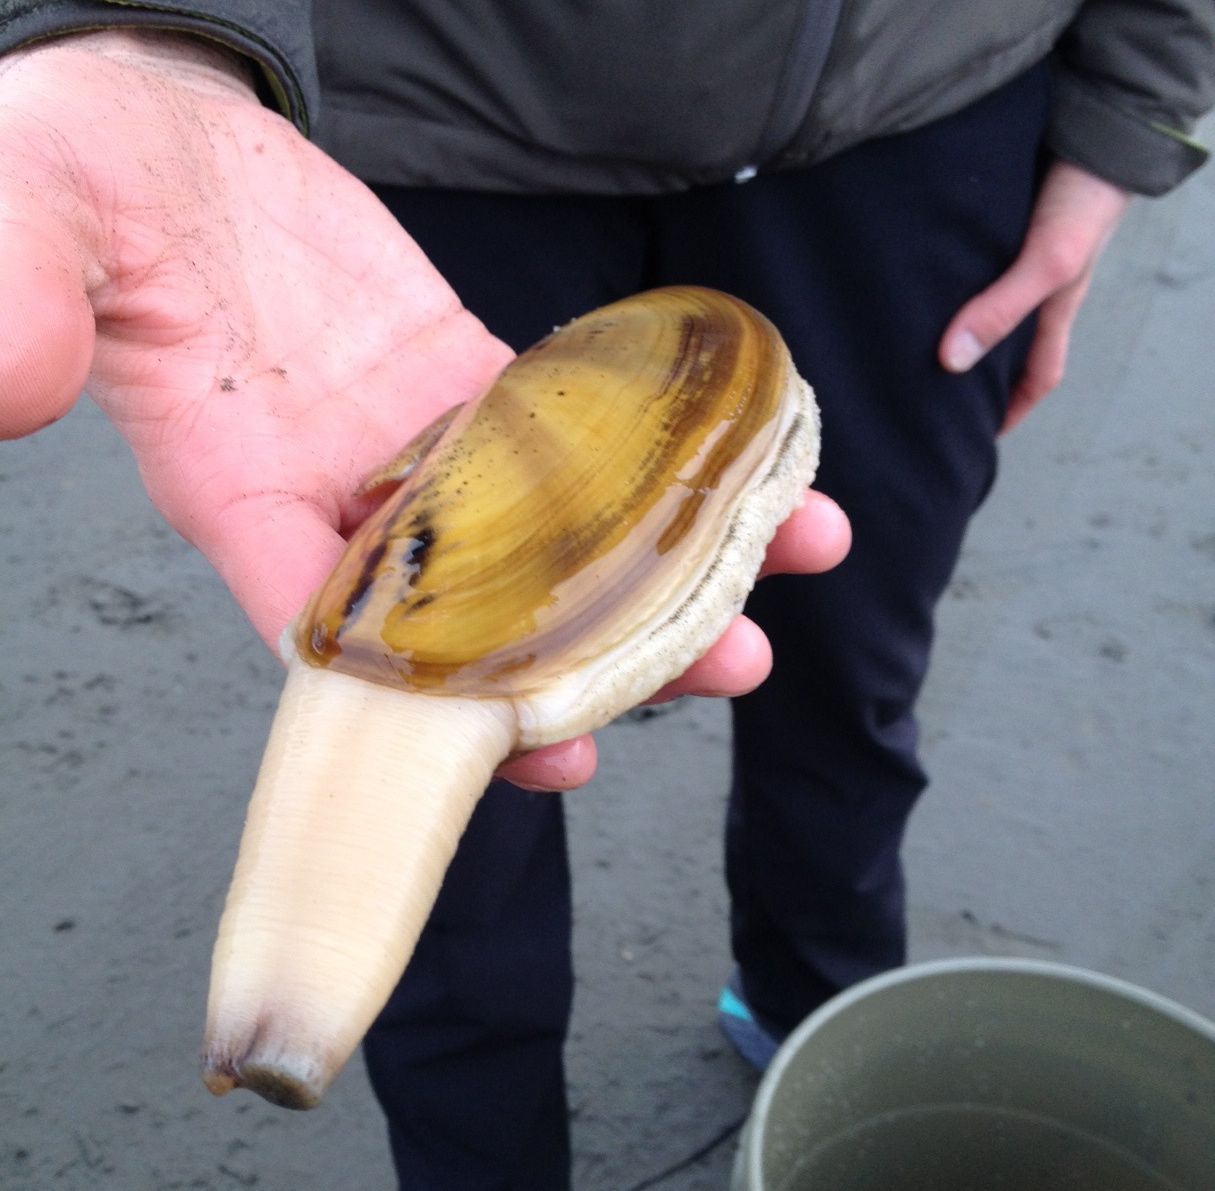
{"points": [[813, 34]]}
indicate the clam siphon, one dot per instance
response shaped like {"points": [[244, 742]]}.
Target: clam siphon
{"points": [[550, 555]]}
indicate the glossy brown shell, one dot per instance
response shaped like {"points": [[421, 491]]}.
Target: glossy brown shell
{"points": [[537, 529]]}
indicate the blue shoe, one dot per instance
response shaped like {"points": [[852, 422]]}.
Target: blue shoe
{"points": [[754, 1041]]}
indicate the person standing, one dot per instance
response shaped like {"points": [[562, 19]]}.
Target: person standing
{"points": [[918, 207]]}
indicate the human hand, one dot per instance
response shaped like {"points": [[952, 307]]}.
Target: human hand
{"points": [[221, 286], [1073, 219]]}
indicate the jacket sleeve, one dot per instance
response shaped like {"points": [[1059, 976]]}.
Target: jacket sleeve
{"points": [[1135, 77], [275, 34]]}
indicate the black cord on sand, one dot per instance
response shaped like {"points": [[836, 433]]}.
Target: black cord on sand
{"points": [[721, 1136]]}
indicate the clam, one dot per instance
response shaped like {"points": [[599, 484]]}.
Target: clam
{"points": [[552, 554]]}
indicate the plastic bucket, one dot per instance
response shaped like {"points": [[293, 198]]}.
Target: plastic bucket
{"points": [[986, 1075]]}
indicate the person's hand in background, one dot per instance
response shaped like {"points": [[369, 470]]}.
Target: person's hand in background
{"points": [[1073, 219]]}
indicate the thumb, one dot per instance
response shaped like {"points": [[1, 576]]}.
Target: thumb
{"points": [[991, 315], [46, 325]]}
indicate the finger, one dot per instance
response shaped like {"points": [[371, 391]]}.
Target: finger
{"points": [[1074, 215], [564, 766], [46, 328], [739, 661], [814, 538], [1046, 361], [993, 314]]}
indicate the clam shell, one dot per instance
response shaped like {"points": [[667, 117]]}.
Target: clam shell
{"points": [[550, 555], [581, 533]]}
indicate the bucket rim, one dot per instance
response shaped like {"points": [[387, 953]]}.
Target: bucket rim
{"points": [[927, 969]]}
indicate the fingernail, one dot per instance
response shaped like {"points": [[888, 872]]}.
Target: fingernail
{"points": [[963, 352]]}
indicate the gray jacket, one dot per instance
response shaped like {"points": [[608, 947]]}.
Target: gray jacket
{"points": [[630, 96]]}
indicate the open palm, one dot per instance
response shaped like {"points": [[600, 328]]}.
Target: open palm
{"points": [[265, 333], [255, 323]]}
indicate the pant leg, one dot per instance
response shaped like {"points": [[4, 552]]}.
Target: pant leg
{"points": [[785, 245], [860, 261], [466, 1058]]}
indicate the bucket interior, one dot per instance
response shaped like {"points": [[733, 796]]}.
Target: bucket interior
{"points": [[990, 1078]]}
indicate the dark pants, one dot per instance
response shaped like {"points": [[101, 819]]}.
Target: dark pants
{"points": [[860, 261]]}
